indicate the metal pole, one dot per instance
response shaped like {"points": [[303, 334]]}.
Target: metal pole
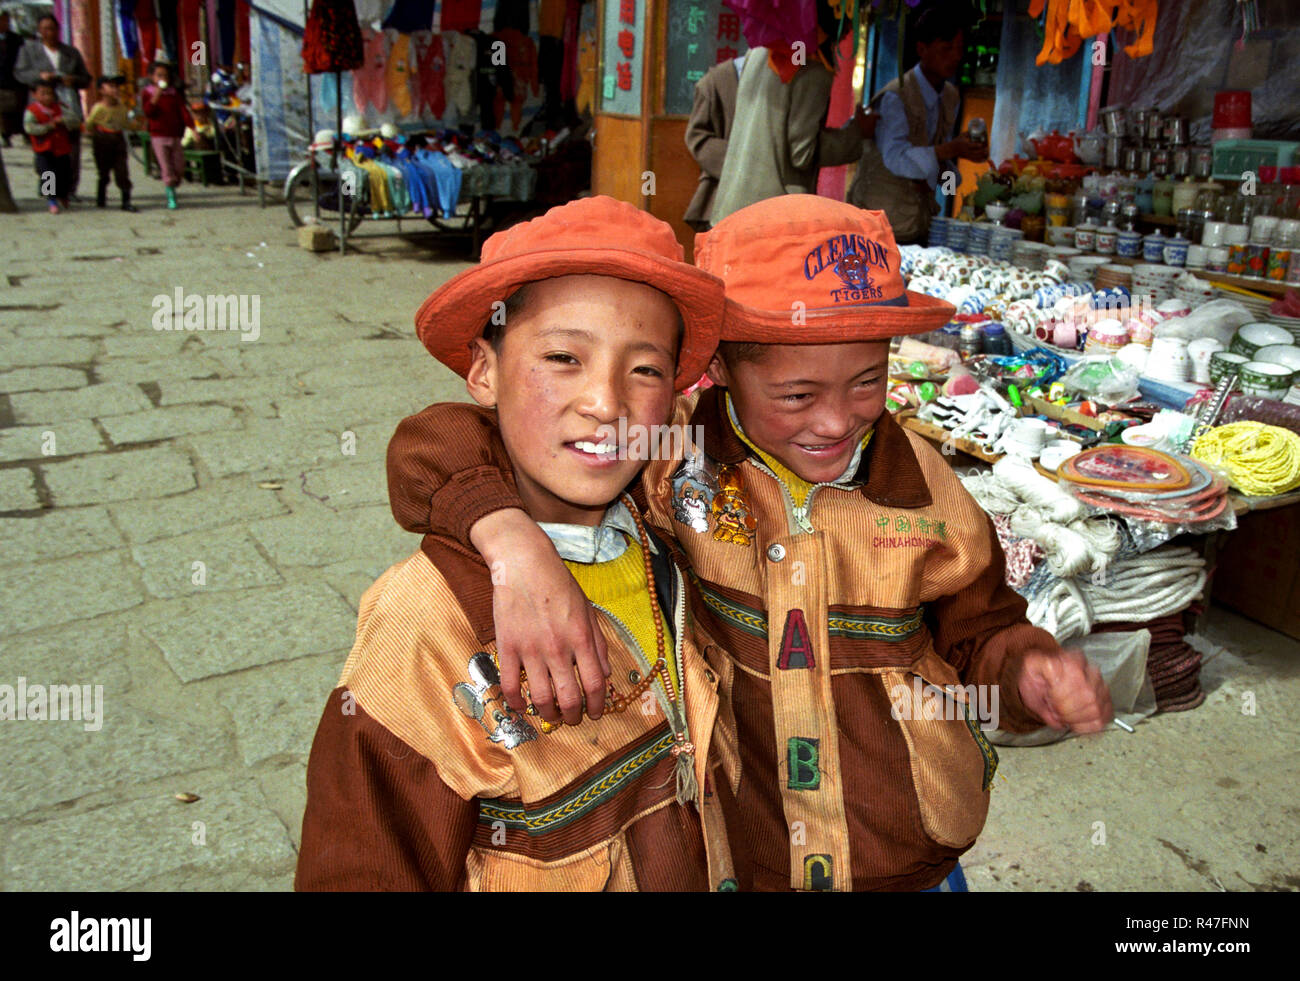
{"points": [[311, 134], [338, 129]]}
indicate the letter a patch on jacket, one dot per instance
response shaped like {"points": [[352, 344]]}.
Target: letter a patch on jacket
{"points": [[796, 643]]}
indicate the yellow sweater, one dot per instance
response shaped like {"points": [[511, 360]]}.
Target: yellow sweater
{"points": [[620, 586]]}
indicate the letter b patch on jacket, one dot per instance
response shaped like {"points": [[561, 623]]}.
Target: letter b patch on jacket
{"points": [[805, 774]]}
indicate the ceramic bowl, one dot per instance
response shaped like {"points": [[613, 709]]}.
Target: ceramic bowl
{"points": [[996, 212], [1200, 351], [1224, 362], [1057, 452], [1287, 355], [1265, 379], [1251, 337]]}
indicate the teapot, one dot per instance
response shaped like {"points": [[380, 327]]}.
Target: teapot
{"points": [[1089, 147]]}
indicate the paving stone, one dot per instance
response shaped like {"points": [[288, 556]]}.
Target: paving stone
{"points": [[228, 390], [18, 490], [217, 633], [133, 371], [229, 561], [123, 846], [82, 403], [71, 437], [285, 789], [267, 447], [346, 485], [39, 351], [277, 708], [222, 502], [344, 408], [41, 379], [167, 423], [128, 475], [51, 534], [144, 342], [69, 653], [66, 328], [320, 537], [44, 594]]}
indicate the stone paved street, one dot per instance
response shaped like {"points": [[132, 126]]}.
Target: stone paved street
{"points": [[183, 524]]}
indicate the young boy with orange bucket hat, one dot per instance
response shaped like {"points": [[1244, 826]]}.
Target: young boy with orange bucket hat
{"points": [[421, 776], [857, 588]]}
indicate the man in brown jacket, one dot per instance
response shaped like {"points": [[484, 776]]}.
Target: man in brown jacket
{"points": [[856, 586], [706, 134]]}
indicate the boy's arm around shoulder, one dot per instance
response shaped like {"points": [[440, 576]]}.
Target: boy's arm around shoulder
{"points": [[381, 815]]}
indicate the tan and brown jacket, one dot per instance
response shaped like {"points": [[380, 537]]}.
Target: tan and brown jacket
{"points": [[421, 777], [823, 615]]}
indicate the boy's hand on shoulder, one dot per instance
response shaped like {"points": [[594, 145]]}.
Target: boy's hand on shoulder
{"points": [[1065, 690], [544, 623]]}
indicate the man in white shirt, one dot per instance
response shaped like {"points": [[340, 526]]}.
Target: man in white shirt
{"points": [[914, 141], [46, 59]]}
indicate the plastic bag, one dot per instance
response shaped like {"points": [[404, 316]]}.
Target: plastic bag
{"points": [[1104, 378], [1122, 660]]}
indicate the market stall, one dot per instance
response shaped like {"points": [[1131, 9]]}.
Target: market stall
{"points": [[1112, 473]]}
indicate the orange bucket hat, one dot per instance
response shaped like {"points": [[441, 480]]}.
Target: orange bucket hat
{"points": [[591, 236], [805, 269]]}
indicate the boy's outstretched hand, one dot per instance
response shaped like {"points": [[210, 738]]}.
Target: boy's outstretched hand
{"points": [[1065, 691], [544, 623]]}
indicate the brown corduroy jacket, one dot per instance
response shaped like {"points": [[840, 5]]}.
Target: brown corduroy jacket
{"points": [[826, 617], [422, 778]]}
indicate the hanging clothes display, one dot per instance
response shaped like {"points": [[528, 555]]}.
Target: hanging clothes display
{"points": [[168, 16], [521, 75], [369, 84], [146, 22], [371, 12], [458, 84], [510, 14], [398, 76], [447, 178], [460, 15], [488, 78], [128, 35], [588, 53], [409, 16], [331, 39], [431, 68]]}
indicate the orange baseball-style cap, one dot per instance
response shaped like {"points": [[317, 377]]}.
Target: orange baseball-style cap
{"points": [[805, 269], [591, 236]]}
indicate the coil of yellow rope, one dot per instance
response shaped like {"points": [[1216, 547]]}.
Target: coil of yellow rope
{"points": [[1258, 459]]}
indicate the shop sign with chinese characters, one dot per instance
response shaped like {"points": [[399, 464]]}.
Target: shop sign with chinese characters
{"points": [[701, 33], [622, 55]]}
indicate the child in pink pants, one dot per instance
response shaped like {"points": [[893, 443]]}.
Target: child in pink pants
{"points": [[168, 115]]}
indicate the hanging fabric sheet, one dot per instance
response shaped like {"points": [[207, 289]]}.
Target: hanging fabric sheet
{"points": [[168, 17], [460, 15], [146, 22], [409, 16], [369, 82], [128, 37], [431, 70]]}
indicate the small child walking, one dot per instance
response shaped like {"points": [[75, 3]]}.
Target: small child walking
{"points": [[168, 115], [107, 123], [43, 122]]}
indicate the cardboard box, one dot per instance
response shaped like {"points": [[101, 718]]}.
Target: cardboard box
{"points": [[1257, 571], [316, 238]]}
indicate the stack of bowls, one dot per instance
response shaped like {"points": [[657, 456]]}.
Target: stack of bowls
{"points": [[981, 233], [1265, 379], [1224, 363], [939, 231], [1287, 355], [1169, 360], [1002, 242], [958, 235], [1084, 267], [1155, 282], [1029, 255], [1113, 274], [1250, 338]]}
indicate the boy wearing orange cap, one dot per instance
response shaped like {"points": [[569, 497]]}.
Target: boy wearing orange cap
{"points": [[840, 562], [421, 776]]}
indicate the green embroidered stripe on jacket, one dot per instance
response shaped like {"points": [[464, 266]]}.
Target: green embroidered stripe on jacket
{"points": [[591, 794], [847, 625]]}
